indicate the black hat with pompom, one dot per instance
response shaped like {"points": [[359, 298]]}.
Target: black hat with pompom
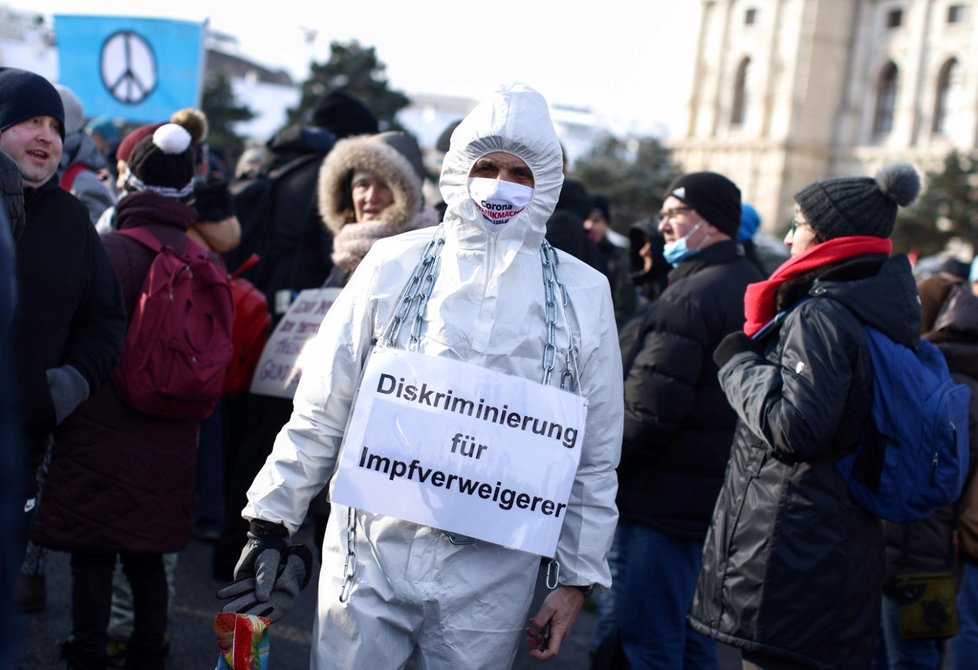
{"points": [[163, 163], [859, 205]]}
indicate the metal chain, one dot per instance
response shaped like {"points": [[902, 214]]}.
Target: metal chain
{"points": [[570, 373], [415, 298], [416, 294], [548, 258], [350, 566], [427, 283]]}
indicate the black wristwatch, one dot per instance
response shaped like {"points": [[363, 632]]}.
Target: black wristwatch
{"points": [[585, 590]]}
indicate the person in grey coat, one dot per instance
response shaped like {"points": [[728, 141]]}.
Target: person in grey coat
{"points": [[83, 170], [793, 567]]}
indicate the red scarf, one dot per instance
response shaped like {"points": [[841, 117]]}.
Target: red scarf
{"points": [[759, 300]]}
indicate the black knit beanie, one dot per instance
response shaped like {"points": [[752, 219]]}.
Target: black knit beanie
{"points": [[24, 95], [848, 206], [713, 196], [343, 115], [163, 163]]}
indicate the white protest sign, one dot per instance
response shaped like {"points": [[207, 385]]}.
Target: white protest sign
{"points": [[461, 448], [279, 367]]}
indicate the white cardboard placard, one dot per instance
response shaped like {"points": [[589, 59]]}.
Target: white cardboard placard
{"points": [[461, 448], [279, 367]]}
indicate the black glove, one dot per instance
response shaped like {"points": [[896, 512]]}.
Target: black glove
{"points": [[733, 344], [292, 577], [261, 557]]}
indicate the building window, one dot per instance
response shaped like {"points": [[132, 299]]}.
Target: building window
{"points": [[750, 17], [956, 13], [942, 98], [741, 97], [886, 93], [894, 18]]}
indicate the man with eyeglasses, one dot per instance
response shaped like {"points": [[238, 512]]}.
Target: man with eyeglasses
{"points": [[678, 424]]}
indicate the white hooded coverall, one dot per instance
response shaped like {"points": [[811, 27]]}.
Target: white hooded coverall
{"points": [[415, 593]]}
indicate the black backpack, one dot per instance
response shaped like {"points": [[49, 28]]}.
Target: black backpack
{"points": [[254, 204]]}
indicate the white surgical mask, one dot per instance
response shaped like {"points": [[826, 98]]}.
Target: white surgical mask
{"points": [[499, 200]]}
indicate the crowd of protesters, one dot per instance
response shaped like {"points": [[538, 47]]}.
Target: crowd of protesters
{"points": [[702, 502]]}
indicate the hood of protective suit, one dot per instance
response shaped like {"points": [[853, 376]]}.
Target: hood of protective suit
{"points": [[492, 126]]}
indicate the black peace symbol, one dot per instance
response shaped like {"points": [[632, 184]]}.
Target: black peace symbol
{"points": [[128, 67]]}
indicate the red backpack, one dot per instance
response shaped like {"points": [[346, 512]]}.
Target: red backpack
{"points": [[252, 324], [178, 344]]}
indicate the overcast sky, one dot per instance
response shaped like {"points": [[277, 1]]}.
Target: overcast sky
{"points": [[629, 61]]}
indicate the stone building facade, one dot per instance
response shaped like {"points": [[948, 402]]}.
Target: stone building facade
{"points": [[785, 92]]}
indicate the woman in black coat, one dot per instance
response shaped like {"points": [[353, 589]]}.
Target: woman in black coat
{"points": [[793, 567]]}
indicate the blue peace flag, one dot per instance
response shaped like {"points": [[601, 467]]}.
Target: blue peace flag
{"points": [[138, 69]]}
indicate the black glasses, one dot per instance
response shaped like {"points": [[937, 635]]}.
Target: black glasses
{"points": [[794, 225], [674, 212]]}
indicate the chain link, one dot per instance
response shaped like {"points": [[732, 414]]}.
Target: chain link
{"points": [[570, 376], [414, 301], [553, 574], [415, 296], [549, 263], [427, 284], [350, 565]]}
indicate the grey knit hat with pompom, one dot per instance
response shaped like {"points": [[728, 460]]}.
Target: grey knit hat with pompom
{"points": [[859, 205]]}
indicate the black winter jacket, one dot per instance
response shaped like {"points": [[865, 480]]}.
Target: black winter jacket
{"points": [[12, 195], [70, 310], [792, 566], [285, 231], [678, 424]]}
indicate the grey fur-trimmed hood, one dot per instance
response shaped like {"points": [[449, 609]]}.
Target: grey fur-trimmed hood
{"points": [[373, 154]]}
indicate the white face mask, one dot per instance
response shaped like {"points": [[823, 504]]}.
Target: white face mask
{"points": [[499, 200]]}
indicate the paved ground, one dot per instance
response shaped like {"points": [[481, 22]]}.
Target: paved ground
{"points": [[193, 644]]}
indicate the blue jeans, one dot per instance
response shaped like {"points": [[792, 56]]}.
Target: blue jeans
{"points": [[906, 654], [606, 623], [653, 598], [964, 646]]}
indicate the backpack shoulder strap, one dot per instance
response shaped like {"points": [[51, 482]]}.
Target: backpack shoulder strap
{"points": [[192, 247], [282, 170], [144, 237], [249, 263], [147, 239]]}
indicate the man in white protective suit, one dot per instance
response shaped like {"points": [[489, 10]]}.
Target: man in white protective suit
{"points": [[463, 398]]}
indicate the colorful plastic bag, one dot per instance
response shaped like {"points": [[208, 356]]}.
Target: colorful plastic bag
{"points": [[242, 640]]}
